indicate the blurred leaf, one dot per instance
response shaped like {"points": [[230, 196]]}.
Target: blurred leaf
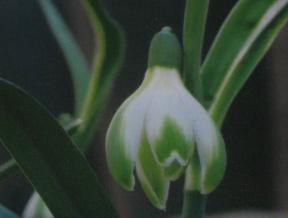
{"points": [[107, 62], [48, 158], [71, 51], [240, 44], [69, 125], [5, 213]]}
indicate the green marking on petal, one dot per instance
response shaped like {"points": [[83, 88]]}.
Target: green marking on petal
{"points": [[213, 171], [151, 176], [174, 171], [119, 163], [172, 145]]}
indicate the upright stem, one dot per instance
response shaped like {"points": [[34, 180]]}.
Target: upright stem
{"points": [[193, 34], [193, 205]]}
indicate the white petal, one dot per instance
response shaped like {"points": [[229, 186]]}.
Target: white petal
{"points": [[119, 158], [123, 137], [205, 135], [167, 104], [210, 147], [203, 126], [133, 121]]}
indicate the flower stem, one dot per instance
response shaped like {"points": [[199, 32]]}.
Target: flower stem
{"points": [[194, 205], [193, 34]]}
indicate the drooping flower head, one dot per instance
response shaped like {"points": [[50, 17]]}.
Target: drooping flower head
{"points": [[160, 127]]}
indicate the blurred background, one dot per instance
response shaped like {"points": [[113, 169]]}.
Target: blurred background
{"points": [[255, 131]]}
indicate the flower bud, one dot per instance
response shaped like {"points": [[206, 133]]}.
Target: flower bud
{"points": [[159, 127]]}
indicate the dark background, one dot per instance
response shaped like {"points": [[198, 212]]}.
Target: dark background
{"points": [[255, 129]]}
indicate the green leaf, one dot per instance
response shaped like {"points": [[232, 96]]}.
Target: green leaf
{"points": [[193, 34], [10, 167], [71, 51], [107, 62], [5, 213], [48, 158], [242, 41]]}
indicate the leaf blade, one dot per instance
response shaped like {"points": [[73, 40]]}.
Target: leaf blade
{"points": [[73, 55], [254, 36], [193, 35], [66, 183], [107, 62]]}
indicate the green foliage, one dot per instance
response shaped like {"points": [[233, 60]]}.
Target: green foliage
{"points": [[193, 35], [239, 46], [72, 53], [48, 158], [242, 41], [107, 62]]}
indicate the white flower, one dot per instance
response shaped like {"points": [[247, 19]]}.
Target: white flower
{"points": [[163, 121], [157, 130]]}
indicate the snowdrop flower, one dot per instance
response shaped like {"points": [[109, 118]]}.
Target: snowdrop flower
{"points": [[160, 127]]}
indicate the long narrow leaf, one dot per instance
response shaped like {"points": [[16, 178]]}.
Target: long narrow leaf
{"points": [[108, 60], [193, 34], [11, 167], [5, 213], [48, 158], [72, 53], [242, 41]]}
